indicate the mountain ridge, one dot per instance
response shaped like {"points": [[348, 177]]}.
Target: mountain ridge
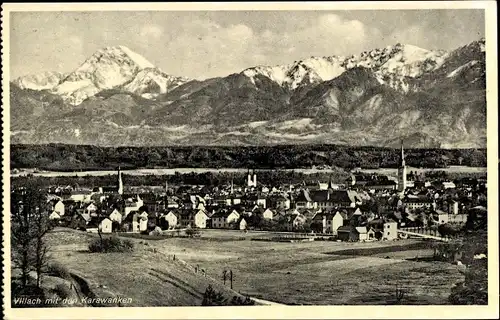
{"points": [[429, 98]]}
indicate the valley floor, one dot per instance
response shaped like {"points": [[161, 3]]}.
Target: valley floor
{"points": [[307, 273]]}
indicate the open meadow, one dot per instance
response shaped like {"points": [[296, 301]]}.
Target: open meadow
{"points": [[146, 277], [318, 272]]}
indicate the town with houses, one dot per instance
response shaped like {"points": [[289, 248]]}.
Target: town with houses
{"points": [[363, 208]]}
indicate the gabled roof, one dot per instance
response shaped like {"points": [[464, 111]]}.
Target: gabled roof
{"points": [[332, 196], [345, 229], [303, 196], [85, 216], [319, 195], [419, 199], [222, 213], [258, 210], [79, 192], [361, 229], [343, 215]]}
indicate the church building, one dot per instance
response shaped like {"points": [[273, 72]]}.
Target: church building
{"points": [[402, 171]]}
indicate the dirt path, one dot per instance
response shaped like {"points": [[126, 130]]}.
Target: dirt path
{"points": [[267, 302]]}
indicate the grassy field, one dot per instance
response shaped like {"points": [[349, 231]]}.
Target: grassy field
{"points": [[149, 278], [322, 272]]}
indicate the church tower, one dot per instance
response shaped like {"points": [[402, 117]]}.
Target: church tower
{"points": [[252, 179], [249, 179], [120, 182], [402, 171]]}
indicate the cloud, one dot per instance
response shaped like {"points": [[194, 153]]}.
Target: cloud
{"points": [[208, 46], [152, 30], [330, 34], [218, 50], [417, 35]]}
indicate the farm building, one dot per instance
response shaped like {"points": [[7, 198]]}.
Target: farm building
{"points": [[350, 233], [106, 226]]}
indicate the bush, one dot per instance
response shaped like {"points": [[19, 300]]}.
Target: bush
{"points": [[190, 232], [239, 301], [62, 291], [156, 232], [213, 298], [111, 244], [58, 270]]}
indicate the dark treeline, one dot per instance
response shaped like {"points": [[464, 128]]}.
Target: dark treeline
{"points": [[65, 157], [270, 178]]}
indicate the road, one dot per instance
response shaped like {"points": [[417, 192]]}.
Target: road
{"points": [[267, 302]]}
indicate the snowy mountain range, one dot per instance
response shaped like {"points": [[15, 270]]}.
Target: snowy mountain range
{"points": [[391, 65], [108, 68], [117, 97]]}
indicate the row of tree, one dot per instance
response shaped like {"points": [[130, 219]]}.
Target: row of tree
{"points": [[270, 178], [62, 157], [29, 250]]}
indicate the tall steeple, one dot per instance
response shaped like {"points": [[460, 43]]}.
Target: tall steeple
{"points": [[402, 160], [402, 171], [120, 182]]}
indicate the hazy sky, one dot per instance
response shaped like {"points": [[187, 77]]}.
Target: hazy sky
{"points": [[217, 43]]}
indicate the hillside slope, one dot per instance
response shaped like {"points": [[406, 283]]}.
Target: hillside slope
{"points": [[149, 278]]}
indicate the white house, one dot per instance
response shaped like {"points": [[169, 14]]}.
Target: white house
{"points": [[331, 222], [54, 215], [171, 218], [133, 205], [200, 219], [139, 221], [453, 207], [268, 214], [243, 224], [106, 226], [81, 195], [363, 233], [222, 219], [91, 208], [59, 208], [337, 222], [115, 216], [390, 231], [261, 202], [143, 223]]}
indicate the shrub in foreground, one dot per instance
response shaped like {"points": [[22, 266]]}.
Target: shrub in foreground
{"points": [[111, 244], [212, 297]]}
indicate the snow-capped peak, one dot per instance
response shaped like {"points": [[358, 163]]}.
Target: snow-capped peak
{"points": [[40, 81], [107, 68], [313, 69], [151, 82], [142, 62], [392, 62], [275, 73]]}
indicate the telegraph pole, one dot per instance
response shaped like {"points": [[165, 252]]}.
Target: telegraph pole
{"points": [[224, 276], [231, 276]]}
